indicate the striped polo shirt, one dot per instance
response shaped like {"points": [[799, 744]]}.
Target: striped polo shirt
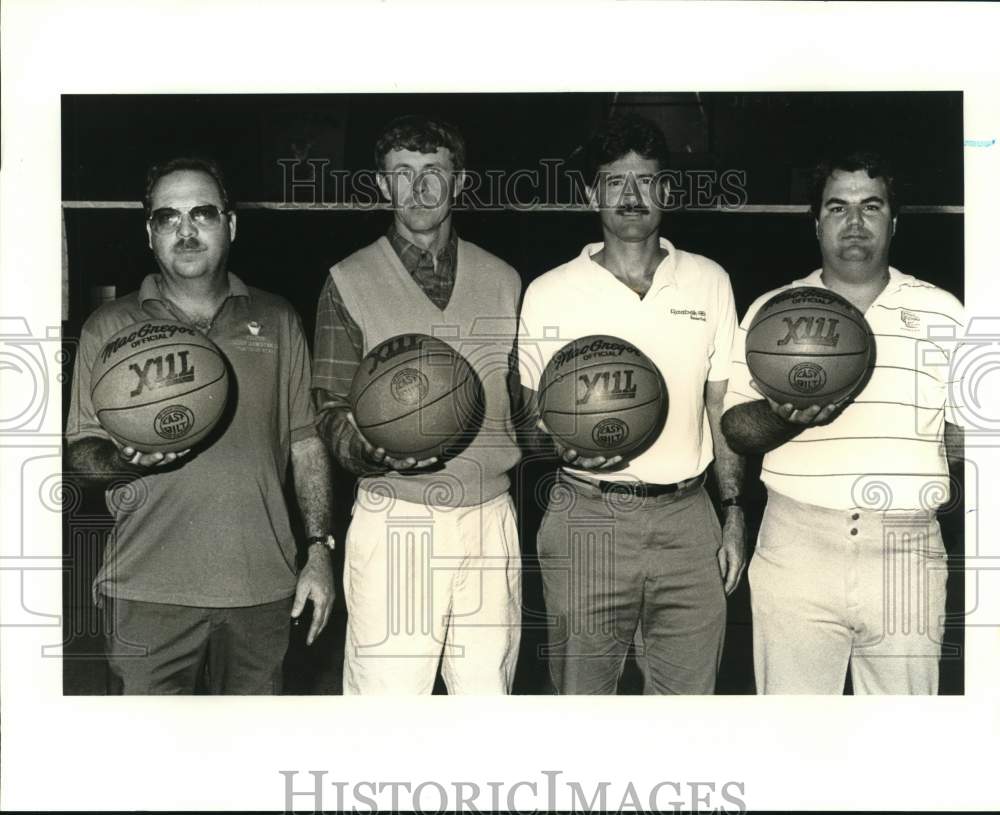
{"points": [[885, 450]]}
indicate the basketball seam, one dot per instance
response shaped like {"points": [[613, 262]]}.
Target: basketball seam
{"points": [[416, 409], [212, 349], [176, 398], [561, 377], [806, 353], [454, 355], [204, 431], [610, 411]]}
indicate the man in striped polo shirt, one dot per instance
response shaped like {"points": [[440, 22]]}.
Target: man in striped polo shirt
{"points": [[850, 567], [432, 564]]}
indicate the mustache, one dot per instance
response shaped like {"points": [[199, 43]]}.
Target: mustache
{"points": [[188, 244]]}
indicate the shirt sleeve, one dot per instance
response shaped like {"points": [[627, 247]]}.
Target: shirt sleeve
{"points": [[725, 330], [82, 419], [301, 416], [738, 391], [530, 341], [955, 410], [339, 344], [338, 350]]}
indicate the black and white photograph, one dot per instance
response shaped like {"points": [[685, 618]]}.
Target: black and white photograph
{"points": [[377, 423], [606, 552]]}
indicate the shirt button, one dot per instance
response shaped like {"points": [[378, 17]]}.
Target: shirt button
{"points": [[854, 531], [855, 516]]}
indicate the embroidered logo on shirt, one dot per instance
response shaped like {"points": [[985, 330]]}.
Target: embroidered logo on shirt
{"points": [[693, 313], [909, 319], [256, 341]]}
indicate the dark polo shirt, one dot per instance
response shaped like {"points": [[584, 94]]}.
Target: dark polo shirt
{"points": [[215, 530]]}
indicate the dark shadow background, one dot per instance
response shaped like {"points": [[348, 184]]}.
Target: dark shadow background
{"points": [[774, 138]]}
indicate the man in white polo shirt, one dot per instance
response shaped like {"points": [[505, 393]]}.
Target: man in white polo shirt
{"points": [[638, 550], [850, 568]]}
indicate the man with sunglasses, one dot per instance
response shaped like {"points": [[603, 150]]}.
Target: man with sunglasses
{"points": [[199, 581]]}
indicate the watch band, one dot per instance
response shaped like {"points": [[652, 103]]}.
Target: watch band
{"points": [[735, 501], [323, 540]]}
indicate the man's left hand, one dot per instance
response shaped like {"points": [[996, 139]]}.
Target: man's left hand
{"points": [[316, 584], [732, 554]]}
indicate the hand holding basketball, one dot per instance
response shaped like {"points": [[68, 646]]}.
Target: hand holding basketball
{"points": [[571, 456], [805, 416], [378, 457], [148, 460]]}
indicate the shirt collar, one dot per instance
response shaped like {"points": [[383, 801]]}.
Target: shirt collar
{"points": [[150, 288], [407, 250], [665, 274], [896, 280]]}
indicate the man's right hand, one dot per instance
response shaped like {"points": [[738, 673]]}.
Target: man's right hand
{"points": [[573, 458], [806, 417], [378, 457], [149, 460]]}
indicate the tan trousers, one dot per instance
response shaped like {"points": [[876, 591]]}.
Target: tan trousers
{"points": [[428, 584], [834, 588]]}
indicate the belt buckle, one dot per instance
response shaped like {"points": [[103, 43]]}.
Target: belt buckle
{"points": [[635, 490]]}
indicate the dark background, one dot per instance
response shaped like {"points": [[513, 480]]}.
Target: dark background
{"points": [[774, 138]]}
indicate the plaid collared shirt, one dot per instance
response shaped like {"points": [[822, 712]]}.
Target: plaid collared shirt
{"points": [[437, 281], [339, 342]]}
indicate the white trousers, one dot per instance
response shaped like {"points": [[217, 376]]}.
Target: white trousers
{"points": [[834, 588], [426, 585]]}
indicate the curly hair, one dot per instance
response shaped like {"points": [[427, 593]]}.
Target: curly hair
{"points": [[422, 135], [624, 134]]}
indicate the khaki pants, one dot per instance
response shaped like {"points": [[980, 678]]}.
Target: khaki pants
{"points": [[616, 568], [427, 584], [834, 588]]}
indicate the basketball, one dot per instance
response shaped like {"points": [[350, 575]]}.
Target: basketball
{"points": [[601, 396], [809, 346], [415, 395], [159, 386]]}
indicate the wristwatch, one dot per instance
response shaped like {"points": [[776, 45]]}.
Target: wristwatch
{"points": [[323, 540]]}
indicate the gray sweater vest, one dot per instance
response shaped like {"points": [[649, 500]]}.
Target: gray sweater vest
{"points": [[480, 322]]}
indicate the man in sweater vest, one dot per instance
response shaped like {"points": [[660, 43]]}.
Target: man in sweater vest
{"points": [[636, 551], [432, 563]]}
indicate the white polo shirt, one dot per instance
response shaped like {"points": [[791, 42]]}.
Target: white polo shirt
{"points": [[685, 324], [885, 450]]}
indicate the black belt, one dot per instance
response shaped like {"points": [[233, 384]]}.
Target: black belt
{"points": [[638, 489]]}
